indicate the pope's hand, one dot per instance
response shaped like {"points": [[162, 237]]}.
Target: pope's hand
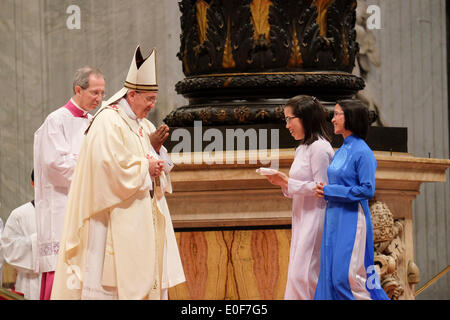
{"points": [[158, 137], [155, 166]]}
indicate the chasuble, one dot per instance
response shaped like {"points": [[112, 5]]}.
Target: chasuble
{"points": [[114, 238]]}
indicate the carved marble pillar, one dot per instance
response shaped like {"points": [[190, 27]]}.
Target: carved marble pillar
{"points": [[244, 59]]}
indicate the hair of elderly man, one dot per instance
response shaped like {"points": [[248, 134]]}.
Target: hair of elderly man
{"points": [[82, 76]]}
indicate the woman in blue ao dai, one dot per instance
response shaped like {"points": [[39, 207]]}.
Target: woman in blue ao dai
{"points": [[306, 121], [347, 269]]}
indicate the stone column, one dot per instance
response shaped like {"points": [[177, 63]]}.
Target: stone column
{"points": [[244, 59]]}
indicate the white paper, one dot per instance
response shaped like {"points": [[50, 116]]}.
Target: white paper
{"points": [[266, 171]]}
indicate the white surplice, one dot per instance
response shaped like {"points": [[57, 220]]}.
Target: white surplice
{"points": [[56, 147], [19, 246], [309, 168]]}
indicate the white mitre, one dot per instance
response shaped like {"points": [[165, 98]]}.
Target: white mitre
{"points": [[141, 76]]}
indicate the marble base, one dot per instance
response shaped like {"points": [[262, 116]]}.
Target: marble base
{"points": [[231, 223]]}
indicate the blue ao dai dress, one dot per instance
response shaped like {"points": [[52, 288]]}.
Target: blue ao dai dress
{"points": [[347, 253]]}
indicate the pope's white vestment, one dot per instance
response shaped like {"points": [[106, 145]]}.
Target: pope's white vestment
{"points": [[19, 247], [172, 269], [117, 241]]}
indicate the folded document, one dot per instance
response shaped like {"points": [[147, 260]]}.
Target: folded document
{"points": [[266, 171]]}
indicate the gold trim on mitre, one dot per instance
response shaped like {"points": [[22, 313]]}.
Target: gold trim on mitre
{"points": [[140, 87]]}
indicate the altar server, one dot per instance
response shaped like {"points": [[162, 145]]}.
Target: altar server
{"points": [[118, 240], [19, 247], [56, 146], [306, 121]]}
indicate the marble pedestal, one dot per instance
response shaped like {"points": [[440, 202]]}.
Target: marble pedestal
{"points": [[233, 227]]}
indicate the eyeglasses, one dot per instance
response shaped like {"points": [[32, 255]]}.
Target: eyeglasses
{"points": [[336, 113], [96, 93], [152, 99], [288, 119]]}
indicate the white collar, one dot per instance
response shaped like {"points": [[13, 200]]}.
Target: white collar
{"points": [[76, 105], [126, 107]]}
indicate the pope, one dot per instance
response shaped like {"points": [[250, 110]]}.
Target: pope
{"points": [[118, 240]]}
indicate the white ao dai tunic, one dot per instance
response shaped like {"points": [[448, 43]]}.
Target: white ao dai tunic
{"points": [[309, 168]]}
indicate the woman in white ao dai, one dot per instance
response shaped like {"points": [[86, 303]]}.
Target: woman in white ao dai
{"points": [[306, 120]]}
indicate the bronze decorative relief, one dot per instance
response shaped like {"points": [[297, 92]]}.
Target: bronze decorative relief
{"points": [[250, 50]]}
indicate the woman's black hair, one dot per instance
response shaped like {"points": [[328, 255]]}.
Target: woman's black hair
{"points": [[356, 117], [313, 116]]}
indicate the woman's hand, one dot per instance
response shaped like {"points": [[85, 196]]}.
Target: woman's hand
{"points": [[319, 190], [279, 179]]}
